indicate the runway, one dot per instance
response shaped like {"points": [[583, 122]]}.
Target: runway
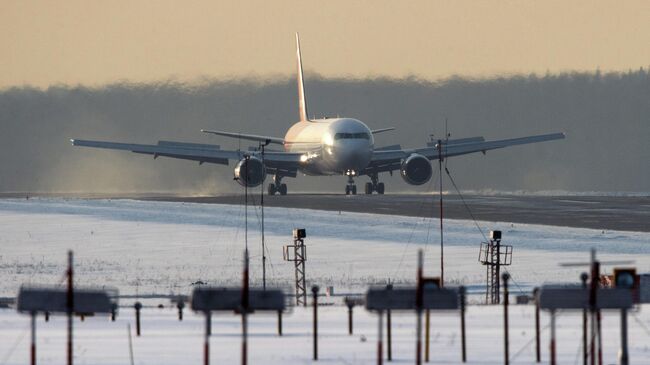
{"points": [[624, 213]]}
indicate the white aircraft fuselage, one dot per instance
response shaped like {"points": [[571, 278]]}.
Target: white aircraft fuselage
{"points": [[332, 146]]}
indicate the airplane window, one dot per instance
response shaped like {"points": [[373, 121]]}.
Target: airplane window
{"points": [[361, 135]]}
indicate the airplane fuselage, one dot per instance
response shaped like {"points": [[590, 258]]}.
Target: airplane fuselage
{"points": [[331, 146]]}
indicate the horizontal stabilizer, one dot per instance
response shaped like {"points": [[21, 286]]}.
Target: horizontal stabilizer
{"points": [[250, 137]]}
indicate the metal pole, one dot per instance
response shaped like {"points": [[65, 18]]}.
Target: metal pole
{"points": [[552, 349], [585, 354], [244, 313], [380, 336], [389, 336], [498, 272], [262, 213], [244, 344], [70, 309], [427, 334], [623, 358], [314, 290], [537, 341], [506, 343], [418, 309], [180, 305], [592, 306], [350, 309], [137, 307], [279, 323], [206, 340], [389, 330], [33, 346], [209, 324], [442, 247], [600, 338], [463, 344]]}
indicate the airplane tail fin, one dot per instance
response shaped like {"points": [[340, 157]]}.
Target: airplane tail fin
{"points": [[302, 101]]}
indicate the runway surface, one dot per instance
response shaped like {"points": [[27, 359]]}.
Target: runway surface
{"points": [[625, 213]]}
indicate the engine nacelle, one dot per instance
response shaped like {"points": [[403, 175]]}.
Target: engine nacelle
{"points": [[416, 169], [250, 172]]}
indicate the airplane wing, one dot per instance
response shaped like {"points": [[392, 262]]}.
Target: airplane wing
{"points": [[288, 162], [389, 160], [381, 130], [251, 137]]}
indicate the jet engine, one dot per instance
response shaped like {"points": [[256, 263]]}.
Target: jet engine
{"points": [[250, 172], [416, 169]]}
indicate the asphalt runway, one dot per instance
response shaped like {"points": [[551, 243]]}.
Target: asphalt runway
{"points": [[625, 213]]}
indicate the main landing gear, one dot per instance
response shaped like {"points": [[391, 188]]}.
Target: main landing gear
{"points": [[375, 185], [277, 186]]}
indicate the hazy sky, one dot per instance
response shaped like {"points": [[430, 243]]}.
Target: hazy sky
{"points": [[98, 42]]}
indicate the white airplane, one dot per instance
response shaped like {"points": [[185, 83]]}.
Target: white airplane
{"points": [[330, 146]]}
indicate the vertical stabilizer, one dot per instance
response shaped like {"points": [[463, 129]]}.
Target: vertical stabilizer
{"points": [[302, 101]]}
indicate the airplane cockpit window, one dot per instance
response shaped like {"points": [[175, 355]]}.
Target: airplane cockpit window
{"points": [[361, 135]]}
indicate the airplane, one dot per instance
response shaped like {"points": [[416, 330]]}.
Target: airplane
{"points": [[317, 147]]}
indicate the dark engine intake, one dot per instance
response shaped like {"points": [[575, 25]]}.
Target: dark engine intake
{"points": [[250, 172], [416, 169]]}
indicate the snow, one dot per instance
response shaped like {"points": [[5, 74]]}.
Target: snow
{"points": [[156, 247]]}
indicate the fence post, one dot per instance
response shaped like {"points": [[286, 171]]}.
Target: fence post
{"points": [[462, 325], [206, 343], [537, 341], [314, 290], [427, 334], [350, 319], [505, 277], [380, 335], [552, 337], [585, 353], [623, 358], [138, 307], [389, 331], [180, 305], [33, 346]]}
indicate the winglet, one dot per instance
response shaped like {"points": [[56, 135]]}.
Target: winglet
{"points": [[302, 101]]}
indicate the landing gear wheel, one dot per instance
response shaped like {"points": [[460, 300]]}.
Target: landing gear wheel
{"points": [[272, 190], [354, 190], [368, 188], [380, 188], [283, 189]]}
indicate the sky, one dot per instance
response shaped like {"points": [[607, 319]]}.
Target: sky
{"points": [[95, 43]]}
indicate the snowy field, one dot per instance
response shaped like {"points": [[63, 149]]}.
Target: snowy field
{"points": [[162, 248], [166, 341]]}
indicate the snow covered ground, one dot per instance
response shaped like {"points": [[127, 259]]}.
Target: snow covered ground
{"points": [[156, 247], [166, 341]]}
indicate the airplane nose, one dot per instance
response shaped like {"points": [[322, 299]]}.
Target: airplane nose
{"points": [[353, 157]]}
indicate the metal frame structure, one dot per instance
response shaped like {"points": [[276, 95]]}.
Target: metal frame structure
{"points": [[494, 255], [298, 257]]}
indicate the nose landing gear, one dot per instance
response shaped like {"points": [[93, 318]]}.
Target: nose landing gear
{"points": [[350, 188], [375, 185]]}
